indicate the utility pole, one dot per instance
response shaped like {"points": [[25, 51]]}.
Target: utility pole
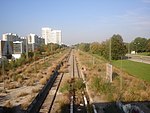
{"points": [[110, 50], [27, 48], [121, 76], [34, 62], [51, 47], [3, 71], [128, 49], [93, 61]]}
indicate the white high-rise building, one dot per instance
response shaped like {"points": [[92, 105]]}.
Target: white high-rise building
{"points": [[46, 32], [34, 41], [10, 37], [51, 36]]}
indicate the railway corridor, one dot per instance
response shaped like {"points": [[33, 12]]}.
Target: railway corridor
{"points": [[76, 102]]}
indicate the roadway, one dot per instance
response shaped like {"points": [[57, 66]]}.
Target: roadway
{"points": [[139, 58]]}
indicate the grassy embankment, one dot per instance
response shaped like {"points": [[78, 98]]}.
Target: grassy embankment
{"points": [[136, 69], [133, 88]]}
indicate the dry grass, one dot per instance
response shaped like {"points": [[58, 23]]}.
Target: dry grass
{"points": [[133, 89], [28, 101], [29, 70], [43, 81], [8, 104], [11, 86], [25, 105], [50, 70], [35, 90], [29, 77], [63, 70], [30, 82], [21, 94]]}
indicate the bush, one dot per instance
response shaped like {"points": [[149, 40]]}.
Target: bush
{"points": [[65, 87], [79, 85], [43, 81], [102, 87]]}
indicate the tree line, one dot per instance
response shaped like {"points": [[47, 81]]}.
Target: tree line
{"points": [[116, 46]]}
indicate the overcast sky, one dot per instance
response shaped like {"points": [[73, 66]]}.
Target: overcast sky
{"points": [[79, 20]]}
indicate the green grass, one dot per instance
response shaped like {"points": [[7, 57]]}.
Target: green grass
{"points": [[144, 53], [136, 69]]}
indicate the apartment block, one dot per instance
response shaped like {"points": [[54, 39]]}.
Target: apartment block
{"points": [[51, 36], [10, 37], [6, 49], [34, 42]]}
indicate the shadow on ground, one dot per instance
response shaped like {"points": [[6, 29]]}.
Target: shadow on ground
{"points": [[15, 109], [105, 107], [111, 107]]}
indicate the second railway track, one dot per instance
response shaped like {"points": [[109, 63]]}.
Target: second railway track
{"points": [[78, 99]]}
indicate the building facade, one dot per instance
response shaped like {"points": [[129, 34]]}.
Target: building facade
{"points": [[6, 49], [19, 47], [34, 42], [46, 34], [10, 37], [51, 36], [56, 36]]}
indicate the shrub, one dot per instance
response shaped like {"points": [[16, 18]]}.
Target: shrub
{"points": [[65, 87], [35, 90], [79, 85], [43, 81]]}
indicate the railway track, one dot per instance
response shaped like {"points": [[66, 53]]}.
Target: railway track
{"points": [[75, 106], [44, 101], [48, 105], [49, 101]]}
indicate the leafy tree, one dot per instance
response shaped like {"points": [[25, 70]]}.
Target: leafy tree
{"points": [[139, 44], [95, 48], [118, 48], [148, 45], [84, 47], [104, 49]]}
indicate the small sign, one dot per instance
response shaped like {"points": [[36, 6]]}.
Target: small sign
{"points": [[109, 72]]}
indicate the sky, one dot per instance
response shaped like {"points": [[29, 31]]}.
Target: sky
{"points": [[79, 20]]}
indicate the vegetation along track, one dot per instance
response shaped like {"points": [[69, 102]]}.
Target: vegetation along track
{"points": [[78, 95], [40, 104]]}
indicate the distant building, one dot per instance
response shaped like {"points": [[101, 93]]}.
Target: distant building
{"points": [[51, 36], [46, 34], [10, 37], [56, 36], [6, 49], [19, 47], [34, 42]]}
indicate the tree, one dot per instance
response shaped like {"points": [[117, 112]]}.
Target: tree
{"points": [[104, 49], [84, 47], [95, 48], [148, 45], [139, 44], [118, 48]]}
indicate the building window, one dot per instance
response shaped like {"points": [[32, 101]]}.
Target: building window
{"points": [[17, 48]]}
